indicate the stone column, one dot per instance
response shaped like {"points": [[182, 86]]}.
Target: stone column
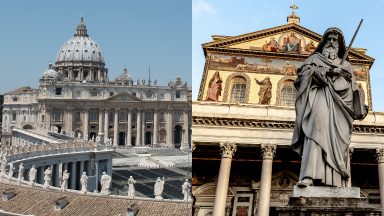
{"points": [[268, 152], [48, 113], [143, 128], [349, 183], [169, 128], [185, 143], [56, 181], [138, 128], [129, 127], [227, 151], [101, 115], [73, 175], [380, 166], [155, 127], [116, 128], [81, 169], [69, 122], [85, 124], [106, 124]]}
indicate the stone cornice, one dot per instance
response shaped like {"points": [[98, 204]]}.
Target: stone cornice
{"points": [[272, 124]]}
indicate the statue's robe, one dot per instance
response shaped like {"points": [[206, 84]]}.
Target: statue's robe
{"points": [[324, 118]]}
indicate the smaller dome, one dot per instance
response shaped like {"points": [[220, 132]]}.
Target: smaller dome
{"points": [[50, 73], [124, 78]]}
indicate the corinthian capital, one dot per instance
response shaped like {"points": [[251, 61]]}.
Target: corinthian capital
{"points": [[380, 155], [268, 151], [227, 149]]}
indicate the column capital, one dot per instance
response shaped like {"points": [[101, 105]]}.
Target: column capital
{"points": [[227, 149], [380, 155], [268, 151], [193, 146], [351, 149], [117, 109]]}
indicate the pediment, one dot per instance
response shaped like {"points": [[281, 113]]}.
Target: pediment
{"points": [[286, 39], [209, 189], [123, 97]]}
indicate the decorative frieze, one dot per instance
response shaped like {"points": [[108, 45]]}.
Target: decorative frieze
{"points": [[257, 123], [227, 149]]}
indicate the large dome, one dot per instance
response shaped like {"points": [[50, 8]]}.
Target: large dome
{"points": [[80, 48]]}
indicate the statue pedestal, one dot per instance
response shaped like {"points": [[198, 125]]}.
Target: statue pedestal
{"points": [[316, 200]]}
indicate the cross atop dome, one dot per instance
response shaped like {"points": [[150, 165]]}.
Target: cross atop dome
{"points": [[293, 18], [81, 29]]}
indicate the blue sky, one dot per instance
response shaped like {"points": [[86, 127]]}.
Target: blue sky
{"points": [[135, 34], [217, 17]]}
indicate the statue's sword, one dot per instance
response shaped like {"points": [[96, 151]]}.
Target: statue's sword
{"points": [[350, 44]]}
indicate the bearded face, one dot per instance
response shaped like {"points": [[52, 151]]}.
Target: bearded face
{"points": [[331, 47]]}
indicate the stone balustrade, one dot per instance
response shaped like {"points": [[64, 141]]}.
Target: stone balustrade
{"points": [[25, 152]]}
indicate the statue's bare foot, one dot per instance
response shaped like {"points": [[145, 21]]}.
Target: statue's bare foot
{"points": [[305, 183]]}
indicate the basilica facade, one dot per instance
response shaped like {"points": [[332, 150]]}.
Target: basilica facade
{"points": [[76, 98], [243, 123]]}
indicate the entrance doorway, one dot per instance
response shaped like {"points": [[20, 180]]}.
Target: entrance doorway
{"points": [[121, 139], [178, 136]]}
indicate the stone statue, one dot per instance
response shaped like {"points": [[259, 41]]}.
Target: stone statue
{"points": [[64, 183], [159, 187], [131, 187], [11, 170], [21, 171], [105, 182], [265, 92], [214, 88], [84, 182], [32, 175], [47, 178], [186, 190], [328, 100]]}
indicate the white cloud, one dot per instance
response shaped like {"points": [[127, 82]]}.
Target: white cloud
{"points": [[201, 7]]}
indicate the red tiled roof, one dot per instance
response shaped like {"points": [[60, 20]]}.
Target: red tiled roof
{"points": [[35, 201]]}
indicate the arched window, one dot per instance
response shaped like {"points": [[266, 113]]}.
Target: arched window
{"points": [[288, 94], [238, 89]]}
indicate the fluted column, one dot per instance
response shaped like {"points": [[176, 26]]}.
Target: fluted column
{"points": [[169, 126], [227, 151], [143, 128], [155, 127], [85, 124], [69, 122], [106, 124], [116, 127], [268, 152], [48, 114], [380, 167], [101, 116], [185, 143], [129, 127], [138, 128]]}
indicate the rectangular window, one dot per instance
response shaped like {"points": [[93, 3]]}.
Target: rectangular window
{"points": [[177, 94], [14, 116], [59, 91], [93, 116], [122, 117], [148, 116], [110, 93]]}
